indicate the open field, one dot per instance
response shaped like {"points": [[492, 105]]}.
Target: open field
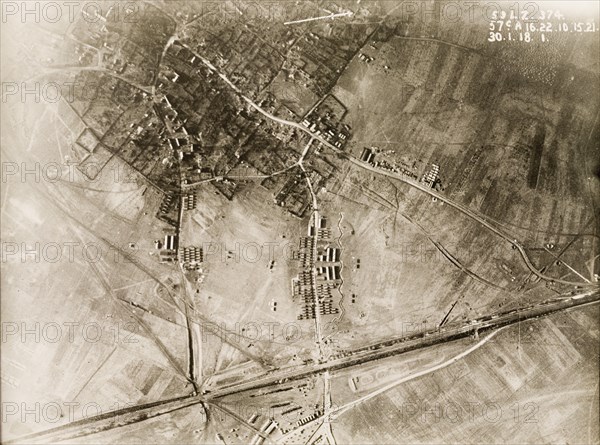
{"points": [[537, 379], [182, 426], [511, 147], [287, 404], [238, 285], [394, 240], [64, 321], [81, 295]]}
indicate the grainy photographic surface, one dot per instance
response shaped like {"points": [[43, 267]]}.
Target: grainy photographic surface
{"points": [[300, 222]]}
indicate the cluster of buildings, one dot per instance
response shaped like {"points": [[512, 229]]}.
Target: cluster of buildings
{"points": [[365, 58], [191, 257], [196, 110], [307, 419], [317, 58], [168, 209], [267, 428], [316, 255], [324, 233], [326, 305], [306, 252], [273, 306], [303, 290], [325, 119], [320, 229], [189, 201], [167, 250], [431, 178], [368, 156], [242, 53], [331, 255], [328, 277], [293, 195], [183, 141], [122, 56], [385, 165], [331, 135], [328, 273]]}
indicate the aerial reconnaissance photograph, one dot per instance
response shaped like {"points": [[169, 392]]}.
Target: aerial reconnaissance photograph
{"points": [[300, 222]]}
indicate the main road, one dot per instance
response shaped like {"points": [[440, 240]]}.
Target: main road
{"points": [[366, 354], [415, 341], [461, 208]]}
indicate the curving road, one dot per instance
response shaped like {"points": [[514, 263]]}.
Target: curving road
{"points": [[463, 209], [416, 341], [366, 354]]}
